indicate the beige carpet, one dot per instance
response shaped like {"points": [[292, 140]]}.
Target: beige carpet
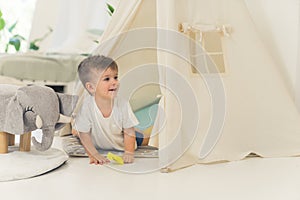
{"points": [[17, 165]]}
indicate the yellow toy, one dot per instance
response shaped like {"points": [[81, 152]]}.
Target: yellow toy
{"points": [[116, 158]]}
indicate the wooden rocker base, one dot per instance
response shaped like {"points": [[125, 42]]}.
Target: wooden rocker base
{"points": [[7, 139]]}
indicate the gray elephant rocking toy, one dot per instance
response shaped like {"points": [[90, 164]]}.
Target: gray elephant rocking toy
{"points": [[25, 109]]}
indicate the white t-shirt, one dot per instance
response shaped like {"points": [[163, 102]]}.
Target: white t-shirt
{"points": [[107, 132]]}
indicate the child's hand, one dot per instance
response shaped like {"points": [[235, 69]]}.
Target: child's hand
{"points": [[98, 159], [128, 157]]}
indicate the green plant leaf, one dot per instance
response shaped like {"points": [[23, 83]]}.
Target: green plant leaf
{"points": [[86, 54], [95, 31], [0, 13], [16, 42], [12, 27], [2, 23], [33, 46], [110, 8], [19, 36], [6, 48], [110, 14]]}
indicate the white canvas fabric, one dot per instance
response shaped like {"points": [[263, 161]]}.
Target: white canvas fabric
{"points": [[261, 116], [252, 113]]}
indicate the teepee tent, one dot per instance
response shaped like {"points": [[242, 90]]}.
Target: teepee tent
{"points": [[222, 95]]}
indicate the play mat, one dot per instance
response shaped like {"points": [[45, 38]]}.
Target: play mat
{"points": [[73, 147]]}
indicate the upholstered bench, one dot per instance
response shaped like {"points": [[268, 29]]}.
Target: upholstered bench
{"points": [[37, 67]]}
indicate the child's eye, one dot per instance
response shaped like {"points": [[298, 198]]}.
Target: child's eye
{"points": [[116, 77], [106, 79]]}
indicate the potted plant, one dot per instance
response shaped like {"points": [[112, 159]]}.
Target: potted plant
{"points": [[11, 39]]}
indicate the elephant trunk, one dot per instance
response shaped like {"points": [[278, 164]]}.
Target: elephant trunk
{"points": [[47, 139]]}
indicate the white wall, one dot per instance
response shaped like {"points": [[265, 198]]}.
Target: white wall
{"points": [[278, 25]]}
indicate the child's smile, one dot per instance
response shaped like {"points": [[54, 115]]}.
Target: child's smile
{"points": [[108, 84]]}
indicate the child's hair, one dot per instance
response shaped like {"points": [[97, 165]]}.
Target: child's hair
{"points": [[98, 62]]}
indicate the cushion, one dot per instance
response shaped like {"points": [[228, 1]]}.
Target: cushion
{"points": [[19, 165]]}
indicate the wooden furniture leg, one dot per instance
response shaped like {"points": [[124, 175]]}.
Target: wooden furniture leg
{"points": [[25, 142], [3, 142], [11, 139]]}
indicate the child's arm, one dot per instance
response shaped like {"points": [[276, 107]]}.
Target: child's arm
{"points": [[129, 145], [95, 157]]}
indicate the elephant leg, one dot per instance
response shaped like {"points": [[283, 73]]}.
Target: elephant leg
{"points": [[3, 142], [25, 142], [11, 139]]}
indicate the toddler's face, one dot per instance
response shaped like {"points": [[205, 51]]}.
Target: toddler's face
{"points": [[108, 84]]}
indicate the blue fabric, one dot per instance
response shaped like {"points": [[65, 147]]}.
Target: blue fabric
{"points": [[139, 137], [146, 116]]}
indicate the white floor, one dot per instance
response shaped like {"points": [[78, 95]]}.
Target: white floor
{"points": [[255, 178]]}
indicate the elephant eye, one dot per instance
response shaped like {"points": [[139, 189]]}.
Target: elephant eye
{"points": [[28, 108]]}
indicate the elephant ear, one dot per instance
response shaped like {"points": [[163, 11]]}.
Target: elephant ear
{"points": [[67, 105], [14, 117]]}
